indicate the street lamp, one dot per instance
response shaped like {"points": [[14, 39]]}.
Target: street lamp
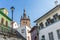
{"points": [[12, 9]]}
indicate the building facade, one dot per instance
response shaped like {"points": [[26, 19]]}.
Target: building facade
{"points": [[49, 25], [34, 33], [6, 32], [4, 19]]}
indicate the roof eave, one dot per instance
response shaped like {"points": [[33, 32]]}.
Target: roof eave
{"points": [[47, 13]]}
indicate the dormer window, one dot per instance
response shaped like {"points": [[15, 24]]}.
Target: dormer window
{"points": [[48, 22], [41, 25], [55, 17], [52, 20]]}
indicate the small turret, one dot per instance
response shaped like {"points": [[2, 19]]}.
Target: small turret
{"points": [[28, 18], [21, 17]]}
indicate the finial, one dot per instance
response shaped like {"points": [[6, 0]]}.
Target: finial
{"points": [[24, 10], [56, 2], [24, 13]]}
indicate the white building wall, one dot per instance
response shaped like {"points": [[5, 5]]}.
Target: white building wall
{"points": [[52, 28], [19, 29], [48, 16], [25, 34], [15, 25]]}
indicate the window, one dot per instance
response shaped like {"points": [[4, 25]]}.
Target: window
{"points": [[51, 36], [59, 17], [52, 20], [41, 25], [28, 38], [23, 21], [35, 38], [36, 24], [55, 17], [6, 23], [2, 21], [15, 25], [48, 22], [43, 37], [58, 33], [22, 30]]}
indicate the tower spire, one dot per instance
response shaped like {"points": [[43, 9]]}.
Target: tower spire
{"points": [[24, 14]]}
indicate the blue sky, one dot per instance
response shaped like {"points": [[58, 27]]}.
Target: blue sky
{"points": [[34, 8]]}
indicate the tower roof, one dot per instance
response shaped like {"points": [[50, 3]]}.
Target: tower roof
{"points": [[25, 17]]}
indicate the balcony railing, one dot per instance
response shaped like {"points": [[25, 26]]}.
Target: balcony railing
{"points": [[6, 31]]}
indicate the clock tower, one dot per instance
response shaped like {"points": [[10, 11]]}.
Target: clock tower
{"points": [[25, 21], [25, 26]]}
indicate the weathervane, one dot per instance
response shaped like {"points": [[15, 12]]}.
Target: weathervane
{"points": [[56, 2]]}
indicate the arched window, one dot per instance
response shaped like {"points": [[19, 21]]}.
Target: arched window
{"points": [[6, 23], [2, 21], [43, 37], [28, 38], [35, 38]]}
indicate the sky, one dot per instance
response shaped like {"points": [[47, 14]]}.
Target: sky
{"points": [[34, 8]]}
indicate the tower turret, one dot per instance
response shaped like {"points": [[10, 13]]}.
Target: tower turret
{"points": [[25, 21]]}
